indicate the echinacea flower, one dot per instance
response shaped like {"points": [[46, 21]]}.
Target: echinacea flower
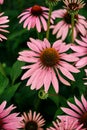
{"points": [[47, 61], [78, 111], [1, 2], [62, 28], [9, 120], [73, 5], [65, 123], [85, 79], [35, 16], [32, 121], [81, 51], [3, 24]]}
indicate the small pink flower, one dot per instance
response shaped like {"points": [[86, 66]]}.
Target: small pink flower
{"points": [[78, 111], [3, 24], [1, 2], [32, 121], [8, 120], [47, 61], [35, 16], [66, 123], [61, 29], [81, 51]]}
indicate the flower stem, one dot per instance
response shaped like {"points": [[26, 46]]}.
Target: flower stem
{"points": [[48, 24], [72, 24]]}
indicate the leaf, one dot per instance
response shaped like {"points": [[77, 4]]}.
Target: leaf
{"points": [[9, 92], [58, 113], [56, 98], [3, 83], [16, 70], [25, 98]]}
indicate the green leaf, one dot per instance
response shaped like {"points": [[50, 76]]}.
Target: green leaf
{"points": [[56, 98], [3, 83], [16, 70], [9, 92], [24, 98], [58, 113]]}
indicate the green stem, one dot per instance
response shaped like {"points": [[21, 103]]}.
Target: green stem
{"points": [[48, 24], [72, 24]]}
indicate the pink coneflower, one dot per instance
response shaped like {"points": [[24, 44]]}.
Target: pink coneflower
{"points": [[1, 2], [61, 29], [73, 5], [8, 120], [78, 111], [66, 123], [35, 16], [47, 61], [81, 51], [32, 121], [3, 24]]}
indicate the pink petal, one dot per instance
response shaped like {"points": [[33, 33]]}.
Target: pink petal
{"points": [[74, 107], [70, 112], [30, 71], [33, 47], [79, 104], [47, 44], [38, 25], [65, 33], [37, 43], [82, 62], [44, 23], [84, 102], [61, 31], [58, 26], [55, 82], [23, 18], [66, 73], [69, 67], [69, 57], [2, 106], [81, 28], [81, 42], [62, 79], [47, 81]]}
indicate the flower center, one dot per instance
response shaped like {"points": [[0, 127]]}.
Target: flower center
{"points": [[83, 120], [31, 125], [73, 6], [49, 57], [36, 10], [67, 18]]}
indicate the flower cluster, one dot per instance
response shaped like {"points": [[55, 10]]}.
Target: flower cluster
{"points": [[50, 64]]}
